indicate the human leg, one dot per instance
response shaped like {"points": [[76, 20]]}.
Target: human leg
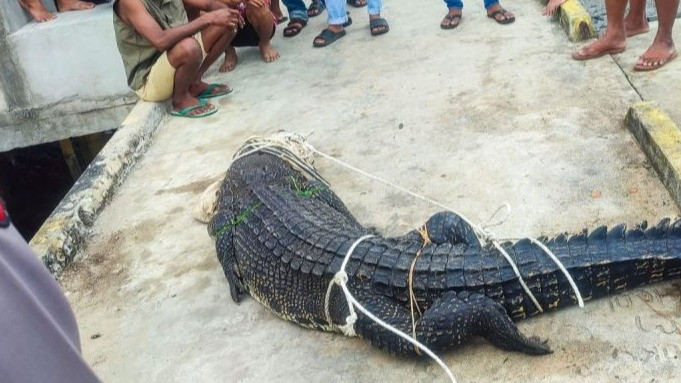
{"points": [[662, 50], [261, 19], [453, 17], [377, 24], [338, 17], [73, 5], [37, 10], [498, 13], [316, 8], [186, 57], [615, 38], [275, 8], [636, 21], [215, 41], [298, 15]]}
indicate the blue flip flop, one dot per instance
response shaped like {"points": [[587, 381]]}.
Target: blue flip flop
{"points": [[208, 92]]}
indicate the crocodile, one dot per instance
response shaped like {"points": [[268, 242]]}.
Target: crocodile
{"points": [[281, 235]]}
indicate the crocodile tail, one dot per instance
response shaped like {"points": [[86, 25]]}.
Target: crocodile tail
{"points": [[601, 262]]}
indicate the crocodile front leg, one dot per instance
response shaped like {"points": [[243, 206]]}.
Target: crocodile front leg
{"points": [[450, 322]]}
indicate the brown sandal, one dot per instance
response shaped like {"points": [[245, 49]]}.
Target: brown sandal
{"points": [[451, 19], [294, 27]]}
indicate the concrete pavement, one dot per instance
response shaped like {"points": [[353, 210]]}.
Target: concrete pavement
{"points": [[472, 117]]}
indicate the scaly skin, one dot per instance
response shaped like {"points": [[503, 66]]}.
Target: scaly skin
{"points": [[281, 239]]}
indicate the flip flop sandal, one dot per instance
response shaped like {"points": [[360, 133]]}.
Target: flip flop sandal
{"points": [[452, 19], [315, 9], [659, 62], [374, 24], [186, 111], [282, 20], [357, 3], [328, 37], [501, 11], [208, 92], [294, 27], [349, 22], [581, 57]]}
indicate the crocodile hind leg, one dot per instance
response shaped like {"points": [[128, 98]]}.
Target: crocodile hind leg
{"points": [[449, 227], [222, 229], [450, 322]]}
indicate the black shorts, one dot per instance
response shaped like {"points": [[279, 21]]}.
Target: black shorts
{"points": [[247, 36]]}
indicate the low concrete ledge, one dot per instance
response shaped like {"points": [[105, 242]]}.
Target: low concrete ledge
{"points": [[576, 21], [62, 234], [660, 139]]}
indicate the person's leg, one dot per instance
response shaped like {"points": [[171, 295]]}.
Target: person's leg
{"points": [[297, 14], [377, 24], [216, 40], [275, 8], [73, 5], [186, 57], [662, 50], [453, 17], [261, 19], [316, 8], [636, 21], [338, 16], [498, 13], [615, 38], [37, 11]]}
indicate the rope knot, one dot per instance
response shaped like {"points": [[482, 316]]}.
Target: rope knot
{"points": [[349, 327], [340, 278]]}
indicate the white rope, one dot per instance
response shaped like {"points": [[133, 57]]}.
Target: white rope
{"points": [[341, 279], [562, 268]]}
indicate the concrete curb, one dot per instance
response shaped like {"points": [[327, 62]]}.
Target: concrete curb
{"points": [[576, 21], [660, 139], [62, 234]]}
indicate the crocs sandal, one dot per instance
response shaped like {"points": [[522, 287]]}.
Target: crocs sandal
{"points": [[454, 21], [375, 24], [316, 8], [501, 11], [186, 112], [357, 3], [208, 92], [294, 27], [328, 36]]}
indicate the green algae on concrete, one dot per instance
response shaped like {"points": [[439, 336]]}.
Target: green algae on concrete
{"points": [[660, 138]]}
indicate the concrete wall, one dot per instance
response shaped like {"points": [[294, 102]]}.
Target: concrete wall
{"points": [[74, 56], [51, 72]]}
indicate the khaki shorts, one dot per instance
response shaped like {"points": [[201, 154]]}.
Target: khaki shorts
{"points": [[159, 83]]}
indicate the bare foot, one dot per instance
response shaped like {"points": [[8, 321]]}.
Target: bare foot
{"points": [[656, 57], [73, 5], [268, 53], [230, 60], [37, 11], [599, 48]]}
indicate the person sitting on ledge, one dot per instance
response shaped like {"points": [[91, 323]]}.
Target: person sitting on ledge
{"points": [[165, 55], [38, 12], [258, 30]]}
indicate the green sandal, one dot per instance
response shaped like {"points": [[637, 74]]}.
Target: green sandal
{"points": [[186, 111], [208, 92]]}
